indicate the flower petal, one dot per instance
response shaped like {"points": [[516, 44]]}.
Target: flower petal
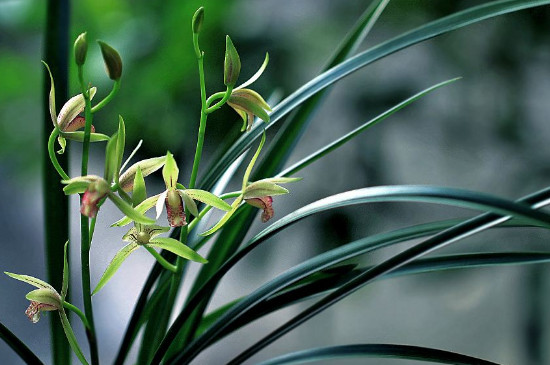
{"points": [[147, 167], [45, 296], [72, 108], [115, 265], [131, 235], [53, 112], [154, 230], [160, 203], [76, 124], [127, 209], [79, 136], [174, 209], [143, 207], [139, 191], [257, 75], [260, 189], [170, 172], [207, 197], [178, 248], [189, 203], [225, 218], [265, 203], [30, 280]]}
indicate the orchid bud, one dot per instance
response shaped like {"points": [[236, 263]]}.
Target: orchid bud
{"points": [[96, 191], [80, 49], [113, 62], [198, 18], [232, 64]]}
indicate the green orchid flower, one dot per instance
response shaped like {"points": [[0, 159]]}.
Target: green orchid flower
{"points": [[94, 190], [146, 236], [258, 194], [176, 198], [246, 102], [68, 122], [46, 299]]}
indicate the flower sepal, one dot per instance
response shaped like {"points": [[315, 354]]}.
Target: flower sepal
{"points": [[248, 103], [146, 235]]}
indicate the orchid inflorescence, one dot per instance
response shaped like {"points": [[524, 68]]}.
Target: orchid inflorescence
{"points": [[126, 189]]}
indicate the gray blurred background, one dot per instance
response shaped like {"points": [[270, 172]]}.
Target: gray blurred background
{"points": [[488, 132]]}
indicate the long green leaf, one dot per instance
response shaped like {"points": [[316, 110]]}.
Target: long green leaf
{"points": [[18, 346], [139, 317], [433, 29], [342, 140], [448, 236], [377, 350], [312, 289], [402, 193]]}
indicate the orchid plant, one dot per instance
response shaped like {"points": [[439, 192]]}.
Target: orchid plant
{"points": [[174, 334], [178, 200]]}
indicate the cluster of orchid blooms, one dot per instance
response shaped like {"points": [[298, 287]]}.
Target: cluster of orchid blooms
{"points": [[125, 188]]}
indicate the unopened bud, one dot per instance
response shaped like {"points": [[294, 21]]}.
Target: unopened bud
{"points": [[198, 18], [113, 62], [80, 49], [232, 65]]}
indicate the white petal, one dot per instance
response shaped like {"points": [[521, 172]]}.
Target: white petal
{"points": [[160, 203]]}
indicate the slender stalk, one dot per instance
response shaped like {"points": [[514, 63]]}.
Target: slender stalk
{"points": [[85, 240], [220, 103], [161, 260], [56, 204], [78, 312], [202, 125], [108, 98], [53, 157]]}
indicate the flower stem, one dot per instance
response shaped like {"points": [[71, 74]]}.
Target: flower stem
{"points": [[108, 98], [53, 157], [220, 103], [85, 241], [168, 266], [202, 125], [78, 312]]}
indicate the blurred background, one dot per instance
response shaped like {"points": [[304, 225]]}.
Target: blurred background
{"points": [[488, 132]]}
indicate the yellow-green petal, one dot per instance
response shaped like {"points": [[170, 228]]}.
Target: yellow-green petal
{"points": [[114, 265], [207, 197], [177, 248]]}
